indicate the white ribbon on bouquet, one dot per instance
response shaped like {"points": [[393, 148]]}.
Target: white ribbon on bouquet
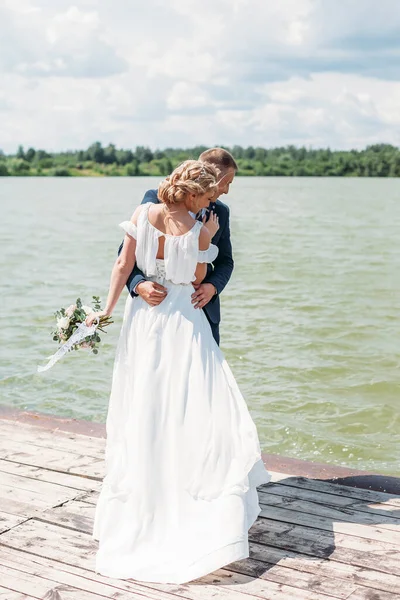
{"points": [[80, 334]]}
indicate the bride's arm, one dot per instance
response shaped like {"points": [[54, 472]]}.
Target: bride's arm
{"points": [[204, 244], [119, 275], [123, 267]]}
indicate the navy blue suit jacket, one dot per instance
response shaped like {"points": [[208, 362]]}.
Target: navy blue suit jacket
{"points": [[218, 273]]}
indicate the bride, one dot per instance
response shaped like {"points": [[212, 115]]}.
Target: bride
{"points": [[182, 454]]}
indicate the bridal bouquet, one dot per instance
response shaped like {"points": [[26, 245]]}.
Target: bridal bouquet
{"points": [[69, 319], [73, 333]]}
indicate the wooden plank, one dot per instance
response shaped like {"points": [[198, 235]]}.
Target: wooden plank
{"points": [[71, 446], [381, 509], [25, 510], [328, 568], [387, 520], [41, 574], [59, 440], [299, 493], [368, 595], [8, 521], [57, 460], [39, 587], [78, 549], [45, 539], [90, 497], [313, 582], [26, 497], [62, 573], [12, 488], [335, 489], [330, 524], [329, 500], [95, 470], [75, 514], [6, 594], [358, 530], [70, 480], [35, 486], [261, 588], [79, 516], [342, 540], [375, 555]]}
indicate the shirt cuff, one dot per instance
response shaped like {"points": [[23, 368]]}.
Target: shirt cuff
{"points": [[134, 291]]}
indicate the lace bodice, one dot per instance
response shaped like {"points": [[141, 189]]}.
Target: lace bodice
{"points": [[181, 252]]}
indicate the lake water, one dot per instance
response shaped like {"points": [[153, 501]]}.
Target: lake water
{"points": [[311, 317]]}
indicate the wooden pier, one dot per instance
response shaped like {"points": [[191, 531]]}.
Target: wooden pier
{"points": [[314, 540]]}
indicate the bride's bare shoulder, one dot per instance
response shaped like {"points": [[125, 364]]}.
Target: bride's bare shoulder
{"points": [[156, 215], [138, 211]]}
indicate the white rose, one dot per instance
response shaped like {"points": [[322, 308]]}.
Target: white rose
{"points": [[70, 310], [63, 323], [87, 309]]}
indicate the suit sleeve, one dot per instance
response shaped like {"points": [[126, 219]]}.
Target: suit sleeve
{"points": [[137, 276], [223, 264]]}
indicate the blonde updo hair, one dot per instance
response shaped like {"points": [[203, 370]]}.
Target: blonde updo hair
{"points": [[190, 177]]}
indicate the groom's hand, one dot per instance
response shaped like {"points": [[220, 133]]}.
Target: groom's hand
{"points": [[203, 294], [153, 293]]}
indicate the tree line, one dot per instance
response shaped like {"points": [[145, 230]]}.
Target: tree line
{"points": [[377, 160]]}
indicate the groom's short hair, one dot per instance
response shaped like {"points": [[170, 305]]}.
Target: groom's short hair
{"points": [[219, 157]]}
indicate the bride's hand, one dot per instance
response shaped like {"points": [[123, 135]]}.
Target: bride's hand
{"points": [[212, 224], [95, 316]]}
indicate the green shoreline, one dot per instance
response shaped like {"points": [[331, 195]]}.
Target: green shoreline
{"points": [[378, 160]]}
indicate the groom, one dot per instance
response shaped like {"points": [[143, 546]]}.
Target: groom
{"points": [[206, 294]]}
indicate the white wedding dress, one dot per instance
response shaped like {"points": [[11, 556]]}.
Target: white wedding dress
{"points": [[182, 455]]}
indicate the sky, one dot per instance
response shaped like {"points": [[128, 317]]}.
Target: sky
{"points": [[180, 73]]}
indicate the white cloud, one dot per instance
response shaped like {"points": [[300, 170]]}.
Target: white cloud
{"points": [[313, 72], [70, 43], [187, 96]]}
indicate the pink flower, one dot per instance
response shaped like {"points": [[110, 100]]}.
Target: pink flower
{"points": [[70, 310]]}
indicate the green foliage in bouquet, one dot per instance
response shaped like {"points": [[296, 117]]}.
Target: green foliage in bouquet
{"points": [[69, 319]]}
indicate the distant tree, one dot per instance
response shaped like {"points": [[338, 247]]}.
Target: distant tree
{"points": [[395, 165], [249, 152], [96, 152], [61, 172], [143, 155], [20, 152], [166, 166], [158, 154], [110, 155], [132, 169], [45, 163], [41, 154], [30, 154], [19, 166], [124, 156], [237, 152], [377, 160], [260, 154]]}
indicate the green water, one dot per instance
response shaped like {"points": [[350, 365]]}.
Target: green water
{"points": [[311, 317]]}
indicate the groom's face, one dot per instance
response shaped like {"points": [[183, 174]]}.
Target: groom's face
{"points": [[225, 180]]}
